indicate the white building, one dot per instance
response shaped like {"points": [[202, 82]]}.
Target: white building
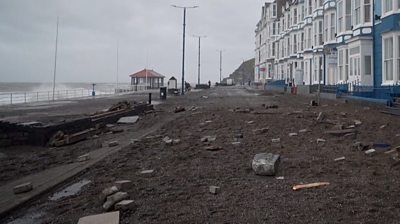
{"points": [[316, 41]]}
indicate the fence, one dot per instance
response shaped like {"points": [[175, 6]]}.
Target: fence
{"points": [[47, 96]]}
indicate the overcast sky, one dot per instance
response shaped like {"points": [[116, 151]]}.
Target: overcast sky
{"points": [[149, 33]]}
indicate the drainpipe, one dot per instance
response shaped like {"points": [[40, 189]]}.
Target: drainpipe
{"points": [[373, 44]]}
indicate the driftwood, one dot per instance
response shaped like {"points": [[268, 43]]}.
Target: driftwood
{"points": [[312, 185]]}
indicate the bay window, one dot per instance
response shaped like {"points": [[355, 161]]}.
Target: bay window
{"points": [[341, 64]]}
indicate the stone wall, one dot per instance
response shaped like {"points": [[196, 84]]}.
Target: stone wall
{"points": [[20, 134]]}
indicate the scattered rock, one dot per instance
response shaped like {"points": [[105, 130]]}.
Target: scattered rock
{"points": [[321, 116], [357, 122], [271, 106], [265, 164], [383, 126], [236, 143], [113, 144], [343, 114], [214, 189], [123, 185], [213, 148], [179, 109], [128, 120], [56, 138], [208, 122], [260, 131], [204, 97], [293, 134], [176, 141], [23, 188], [340, 159], [83, 158], [125, 205], [209, 138], [321, 140], [167, 140], [239, 135], [313, 103], [340, 132], [107, 192], [351, 127], [147, 172], [105, 218], [370, 151], [338, 127], [303, 131], [250, 122], [276, 140], [113, 199], [242, 110], [280, 178]]}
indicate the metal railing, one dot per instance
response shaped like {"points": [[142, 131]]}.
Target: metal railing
{"points": [[9, 98]]}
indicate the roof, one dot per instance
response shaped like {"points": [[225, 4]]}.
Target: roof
{"points": [[172, 78], [149, 73]]}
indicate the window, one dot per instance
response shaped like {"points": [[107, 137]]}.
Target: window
{"points": [[288, 46], [295, 16], [332, 33], [340, 64], [320, 34], [387, 5], [294, 44], [388, 59], [367, 11], [315, 34], [309, 7], [326, 20], [357, 12], [302, 42], [368, 64], [348, 14], [274, 10], [340, 16], [273, 49], [309, 44]]}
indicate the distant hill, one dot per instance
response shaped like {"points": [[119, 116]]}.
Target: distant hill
{"points": [[243, 74]]}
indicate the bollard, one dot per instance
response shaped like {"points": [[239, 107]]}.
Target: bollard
{"points": [[149, 98]]}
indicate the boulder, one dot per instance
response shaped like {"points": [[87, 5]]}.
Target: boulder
{"points": [[214, 189], [105, 218], [107, 192], [265, 164], [113, 199], [125, 205], [123, 185]]}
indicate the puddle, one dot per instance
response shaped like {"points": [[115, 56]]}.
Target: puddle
{"points": [[31, 216], [70, 190]]}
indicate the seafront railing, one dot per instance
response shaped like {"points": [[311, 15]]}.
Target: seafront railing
{"points": [[9, 98]]}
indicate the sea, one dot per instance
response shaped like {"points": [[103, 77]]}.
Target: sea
{"points": [[19, 92]]}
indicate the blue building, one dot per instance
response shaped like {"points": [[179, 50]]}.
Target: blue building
{"points": [[386, 42]]}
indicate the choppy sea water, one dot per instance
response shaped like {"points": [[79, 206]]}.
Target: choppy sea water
{"points": [[31, 92]]}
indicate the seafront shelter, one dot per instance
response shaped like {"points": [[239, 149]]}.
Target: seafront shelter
{"points": [[149, 78]]}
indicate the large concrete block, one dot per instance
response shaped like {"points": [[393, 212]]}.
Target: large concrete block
{"points": [[105, 218], [265, 164]]}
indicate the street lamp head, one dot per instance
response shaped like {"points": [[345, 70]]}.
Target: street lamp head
{"points": [[185, 7]]}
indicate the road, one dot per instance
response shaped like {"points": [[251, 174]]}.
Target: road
{"points": [[363, 188]]}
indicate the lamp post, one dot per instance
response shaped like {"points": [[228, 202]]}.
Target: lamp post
{"points": [[198, 72], [220, 65], [55, 60], [183, 50]]}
